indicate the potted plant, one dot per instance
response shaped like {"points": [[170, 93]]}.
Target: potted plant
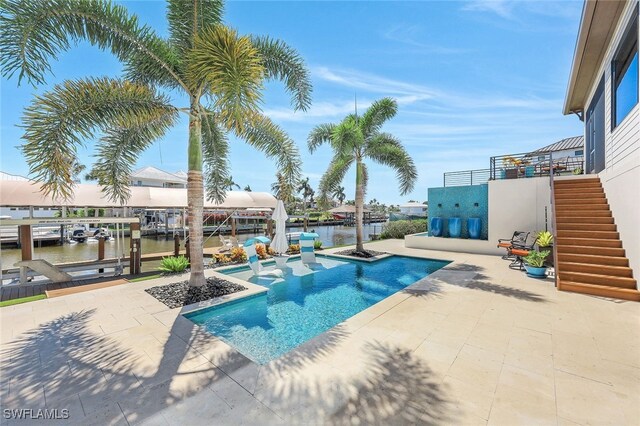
{"points": [[545, 242], [534, 264]]}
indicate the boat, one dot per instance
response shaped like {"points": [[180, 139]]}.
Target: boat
{"points": [[339, 216]]}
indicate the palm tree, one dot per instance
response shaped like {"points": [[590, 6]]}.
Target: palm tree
{"points": [[217, 72], [229, 184], [339, 194], [282, 189], [247, 188], [355, 139]]}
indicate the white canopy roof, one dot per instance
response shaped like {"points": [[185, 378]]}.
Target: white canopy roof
{"points": [[25, 194]]}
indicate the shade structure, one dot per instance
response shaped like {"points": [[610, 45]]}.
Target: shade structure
{"points": [[280, 243]]}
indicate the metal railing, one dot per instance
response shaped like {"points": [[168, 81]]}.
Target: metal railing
{"points": [[553, 223], [531, 164], [466, 177]]}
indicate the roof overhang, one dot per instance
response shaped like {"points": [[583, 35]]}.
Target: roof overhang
{"points": [[597, 26]]}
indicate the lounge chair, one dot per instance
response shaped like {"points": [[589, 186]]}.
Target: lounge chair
{"points": [[307, 240], [520, 251], [254, 263], [518, 238]]}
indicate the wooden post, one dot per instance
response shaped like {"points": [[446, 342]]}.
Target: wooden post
{"points": [[233, 226], [305, 223], [269, 228], [166, 224], [176, 245], [101, 252], [26, 242], [135, 249]]}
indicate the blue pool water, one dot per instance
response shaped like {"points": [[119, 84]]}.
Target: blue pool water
{"points": [[307, 302]]}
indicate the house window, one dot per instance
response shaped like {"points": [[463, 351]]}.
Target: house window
{"points": [[579, 152], [625, 74]]}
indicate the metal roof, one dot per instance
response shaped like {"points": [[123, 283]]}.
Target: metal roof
{"points": [[574, 142], [26, 193], [155, 173]]}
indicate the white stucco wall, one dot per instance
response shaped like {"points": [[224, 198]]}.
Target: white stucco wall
{"points": [[514, 205]]}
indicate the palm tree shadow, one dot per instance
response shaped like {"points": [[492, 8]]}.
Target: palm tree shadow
{"points": [[472, 277]]}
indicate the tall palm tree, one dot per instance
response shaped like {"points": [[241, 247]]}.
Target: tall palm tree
{"points": [[355, 139], [217, 72], [229, 184], [338, 192], [282, 189]]}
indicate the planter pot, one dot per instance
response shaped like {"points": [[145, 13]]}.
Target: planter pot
{"points": [[455, 227], [536, 272]]}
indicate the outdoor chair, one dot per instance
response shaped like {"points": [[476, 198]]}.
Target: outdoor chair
{"points": [[518, 238], [520, 251]]}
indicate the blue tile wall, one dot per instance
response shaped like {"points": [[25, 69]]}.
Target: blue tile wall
{"points": [[442, 203]]}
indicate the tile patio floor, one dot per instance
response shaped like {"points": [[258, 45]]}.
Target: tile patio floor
{"points": [[474, 343]]}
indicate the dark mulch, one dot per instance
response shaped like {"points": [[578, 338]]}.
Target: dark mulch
{"points": [[366, 254], [180, 294]]}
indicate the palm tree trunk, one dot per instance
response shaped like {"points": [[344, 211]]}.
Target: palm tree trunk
{"points": [[359, 204], [195, 198]]}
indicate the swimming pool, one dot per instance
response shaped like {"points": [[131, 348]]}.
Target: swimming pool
{"points": [[306, 301]]}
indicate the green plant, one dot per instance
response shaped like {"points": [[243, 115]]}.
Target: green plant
{"points": [[544, 238], [261, 251], [400, 228], [317, 244], [536, 258], [219, 73], [174, 264], [577, 171], [356, 139]]}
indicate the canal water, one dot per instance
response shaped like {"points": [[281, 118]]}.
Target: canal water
{"points": [[329, 235]]}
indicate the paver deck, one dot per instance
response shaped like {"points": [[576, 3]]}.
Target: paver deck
{"points": [[474, 343]]}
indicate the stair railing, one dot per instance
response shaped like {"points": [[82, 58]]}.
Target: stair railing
{"points": [[553, 220]]}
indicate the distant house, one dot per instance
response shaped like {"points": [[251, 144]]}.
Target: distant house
{"points": [[567, 147], [153, 177]]}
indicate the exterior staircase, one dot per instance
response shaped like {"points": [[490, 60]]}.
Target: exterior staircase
{"points": [[590, 257]]}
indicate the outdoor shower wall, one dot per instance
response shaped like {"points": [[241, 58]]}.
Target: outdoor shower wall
{"points": [[463, 202]]}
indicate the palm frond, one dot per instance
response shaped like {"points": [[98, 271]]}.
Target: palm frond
{"points": [[188, 17], [320, 134], [59, 121], [215, 147], [388, 150], [334, 175], [261, 133], [375, 116], [284, 63], [120, 148], [34, 32], [231, 67]]}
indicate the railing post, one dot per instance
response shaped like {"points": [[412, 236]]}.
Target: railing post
{"points": [[471, 177]]}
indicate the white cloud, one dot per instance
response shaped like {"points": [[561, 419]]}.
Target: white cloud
{"points": [[410, 35], [502, 8]]}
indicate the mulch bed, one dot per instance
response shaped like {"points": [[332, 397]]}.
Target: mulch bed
{"points": [[179, 294], [366, 254]]}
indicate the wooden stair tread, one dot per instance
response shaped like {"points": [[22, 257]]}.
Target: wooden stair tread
{"points": [[596, 268], [600, 290], [600, 279], [592, 258]]}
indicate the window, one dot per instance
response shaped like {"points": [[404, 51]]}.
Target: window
{"points": [[625, 74], [579, 152]]}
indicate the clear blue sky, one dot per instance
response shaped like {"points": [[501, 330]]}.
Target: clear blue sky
{"points": [[473, 79]]}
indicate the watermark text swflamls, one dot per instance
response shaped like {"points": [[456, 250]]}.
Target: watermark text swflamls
{"points": [[35, 414]]}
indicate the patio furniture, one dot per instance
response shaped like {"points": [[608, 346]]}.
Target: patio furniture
{"points": [[307, 240], [518, 238], [522, 251]]}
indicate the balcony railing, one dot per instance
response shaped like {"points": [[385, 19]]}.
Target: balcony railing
{"points": [[466, 177], [514, 166]]}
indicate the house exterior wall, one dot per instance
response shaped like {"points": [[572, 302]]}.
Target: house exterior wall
{"points": [[621, 176]]}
